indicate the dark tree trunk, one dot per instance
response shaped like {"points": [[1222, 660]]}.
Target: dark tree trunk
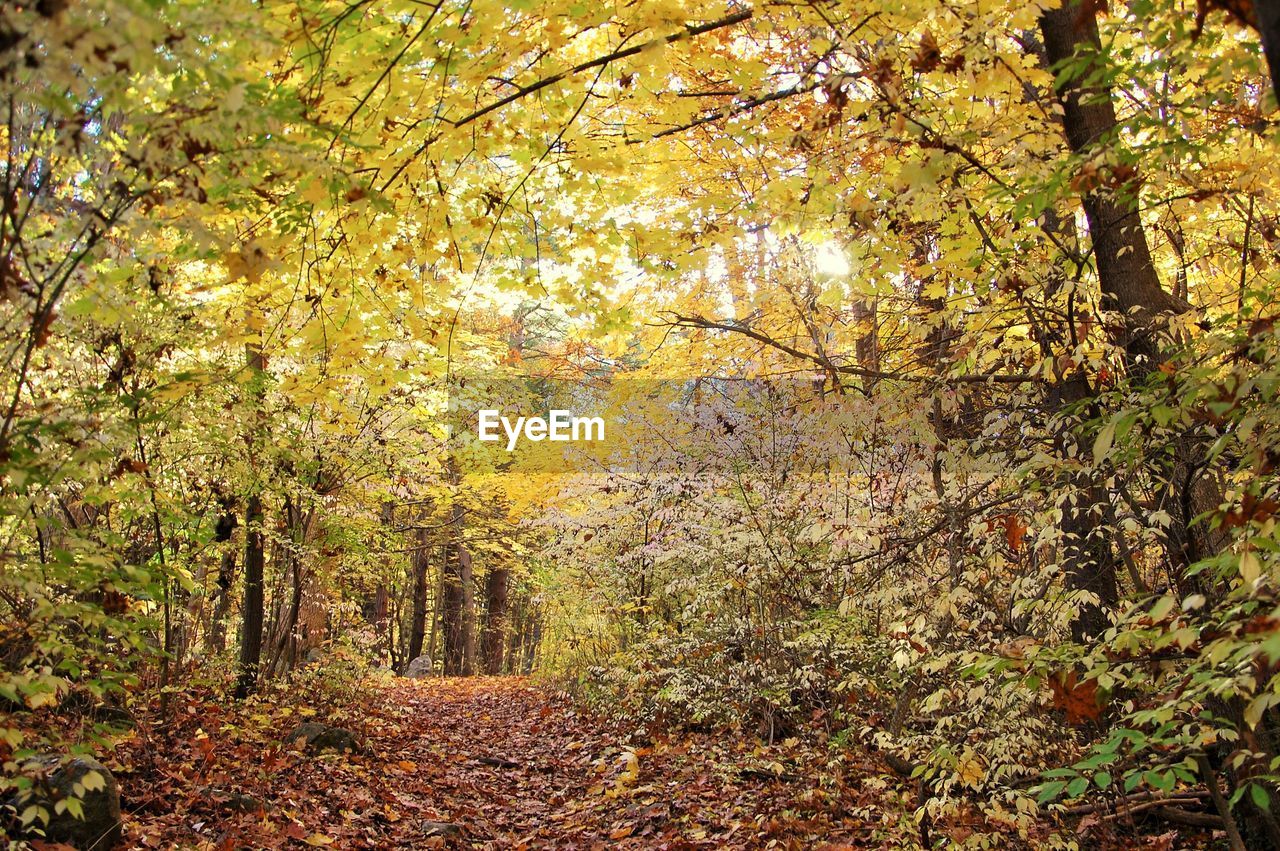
{"points": [[284, 653], [516, 644], [1088, 561], [452, 622], [1126, 274], [1129, 284], [533, 638], [466, 576], [437, 607], [1127, 280], [495, 619], [1267, 13], [216, 640], [254, 555], [251, 619], [419, 564]]}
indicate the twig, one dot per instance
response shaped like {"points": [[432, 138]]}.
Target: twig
{"points": [[1220, 803], [1135, 798], [1180, 816]]}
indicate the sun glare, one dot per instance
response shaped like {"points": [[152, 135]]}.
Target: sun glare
{"points": [[829, 259]]}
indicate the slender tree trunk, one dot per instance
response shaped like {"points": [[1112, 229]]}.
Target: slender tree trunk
{"points": [[251, 625], [495, 619], [216, 640], [513, 644], [437, 608], [419, 564], [284, 654], [254, 554], [466, 576], [215, 632], [867, 346], [532, 641], [452, 621]]}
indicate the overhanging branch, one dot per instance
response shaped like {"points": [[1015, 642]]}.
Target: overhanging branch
{"points": [[689, 31], [680, 321]]}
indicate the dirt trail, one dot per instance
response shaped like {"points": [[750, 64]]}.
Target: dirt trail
{"points": [[515, 766], [495, 763]]}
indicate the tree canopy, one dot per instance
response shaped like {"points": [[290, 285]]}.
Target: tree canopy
{"points": [[934, 343]]}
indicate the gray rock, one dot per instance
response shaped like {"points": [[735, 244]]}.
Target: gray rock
{"points": [[100, 826], [420, 668], [444, 829], [239, 802], [305, 733], [315, 656], [335, 739], [317, 737]]}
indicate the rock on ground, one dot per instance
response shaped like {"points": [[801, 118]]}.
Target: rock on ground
{"points": [[419, 668], [101, 827], [321, 737]]}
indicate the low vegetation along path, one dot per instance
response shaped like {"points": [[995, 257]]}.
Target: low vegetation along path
{"points": [[495, 763]]}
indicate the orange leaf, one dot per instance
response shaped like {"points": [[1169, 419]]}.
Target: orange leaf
{"points": [[1079, 700], [1014, 531]]}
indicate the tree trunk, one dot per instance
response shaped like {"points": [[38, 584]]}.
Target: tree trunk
{"points": [[532, 639], [452, 622], [495, 619], [251, 618], [216, 640], [254, 554], [1267, 13], [466, 576], [284, 653], [215, 632], [1128, 283], [1126, 274], [516, 644], [419, 564]]}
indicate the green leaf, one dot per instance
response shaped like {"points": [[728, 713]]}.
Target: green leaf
{"points": [[93, 781], [1077, 787], [1162, 607], [1261, 798], [1050, 790], [1102, 444], [1102, 779], [1162, 780]]}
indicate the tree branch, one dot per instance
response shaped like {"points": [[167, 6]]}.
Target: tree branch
{"points": [[844, 369], [689, 31]]}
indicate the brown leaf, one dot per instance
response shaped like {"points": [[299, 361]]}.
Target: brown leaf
{"points": [[927, 56], [1079, 700]]}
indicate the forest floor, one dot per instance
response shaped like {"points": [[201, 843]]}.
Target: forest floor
{"points": [[497, 763], [483, 763]]}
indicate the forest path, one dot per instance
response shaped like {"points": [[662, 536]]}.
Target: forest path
{"points": [[515, 765], [492, 762]]}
